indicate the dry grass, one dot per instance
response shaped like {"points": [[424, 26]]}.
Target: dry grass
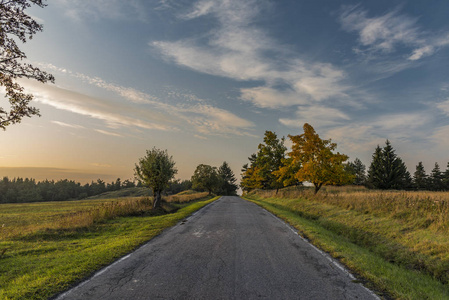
{"points": [[406, 228], [184, 197], [423, 209], [22, 219]]}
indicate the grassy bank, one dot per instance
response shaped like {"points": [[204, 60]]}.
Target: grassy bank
{"points": [[398, 241], [46, 247]]}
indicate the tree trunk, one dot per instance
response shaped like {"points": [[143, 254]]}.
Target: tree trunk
{"points": [[317, 187], [157, 199]]}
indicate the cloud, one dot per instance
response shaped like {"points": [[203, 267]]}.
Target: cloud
{"points": [[237, 49], [108, 133], [68, 125], [388, 32], [444, 107], [113, 114], [139, 108], [315, 114], [81, 10], [100, 165]]}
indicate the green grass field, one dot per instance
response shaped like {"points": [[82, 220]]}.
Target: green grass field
{"points": [[397, 241], [46, 247]]}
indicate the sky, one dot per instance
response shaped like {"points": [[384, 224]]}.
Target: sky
{"points": [[206, 79]]}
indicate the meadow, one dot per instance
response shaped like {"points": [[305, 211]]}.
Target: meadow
{"points": [[48, 246], [398, 241]]}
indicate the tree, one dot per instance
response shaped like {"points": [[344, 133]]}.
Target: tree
{"points": [[446, 178], [318, 164], [420, 180], [387, 170], [227, 180], [357, 169], [269, 158], [16, 24], [155, 170], [206, 178], [250, 175], [436, 179]]}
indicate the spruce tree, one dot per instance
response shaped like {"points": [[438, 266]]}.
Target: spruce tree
{"points": [[446, 178], [420, 180], [227, 180], [436, 179], [357, 168], [375, 171], [387, 170]]}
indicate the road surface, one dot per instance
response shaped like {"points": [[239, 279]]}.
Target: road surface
{"points": [[231, 249]]}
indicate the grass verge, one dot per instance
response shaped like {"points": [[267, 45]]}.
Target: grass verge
{"points": [[46, 260], [365, 244]]}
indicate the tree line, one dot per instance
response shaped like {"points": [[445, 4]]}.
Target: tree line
{"points": [[20, 190], [315, 160], [23, 190]]}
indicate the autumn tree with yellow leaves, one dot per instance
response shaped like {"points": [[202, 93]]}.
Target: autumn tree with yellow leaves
{"points": [[313, 159]]}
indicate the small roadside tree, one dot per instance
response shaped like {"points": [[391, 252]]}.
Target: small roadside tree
{"points": [[155, 170], [206, 178], [15, 24]]}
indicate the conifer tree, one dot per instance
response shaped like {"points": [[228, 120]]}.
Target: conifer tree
{"points": [[446, 178], [436, 179], [227, 180], [420, 178], [387, 170], [357, 168]]}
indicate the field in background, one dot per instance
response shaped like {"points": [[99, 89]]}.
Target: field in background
{"points": [[397, 240], [45, 247]]}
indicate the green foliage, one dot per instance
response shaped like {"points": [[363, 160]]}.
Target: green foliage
{"points": [[19, 190], [387, 170], [420, 178], [260, 173], [436, 179], [227, 180], [16, 25], [357, 169], [205, 178], [155, 170]]}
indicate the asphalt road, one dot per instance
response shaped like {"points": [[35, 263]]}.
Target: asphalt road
{"points": [[231, 249]]}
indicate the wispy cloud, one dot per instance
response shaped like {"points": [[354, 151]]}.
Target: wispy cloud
{"points": [[100, 165], [140, 107], [443, 107], [316, 114], [237, 49], [63, 124], [80, 10], [387, 33], [108, 133]]}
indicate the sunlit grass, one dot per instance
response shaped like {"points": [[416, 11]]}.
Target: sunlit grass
{"points": [[50, 245], [404, 235]]}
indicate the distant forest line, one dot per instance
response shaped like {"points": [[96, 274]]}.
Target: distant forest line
{"points": [[20, 190]]}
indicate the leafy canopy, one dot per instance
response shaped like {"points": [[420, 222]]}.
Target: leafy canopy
{"points": [[206, 178], [314, 161], [15, 24], [155, 170]]}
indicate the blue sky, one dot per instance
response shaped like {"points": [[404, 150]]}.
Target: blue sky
{"points": [[205, 79]]}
